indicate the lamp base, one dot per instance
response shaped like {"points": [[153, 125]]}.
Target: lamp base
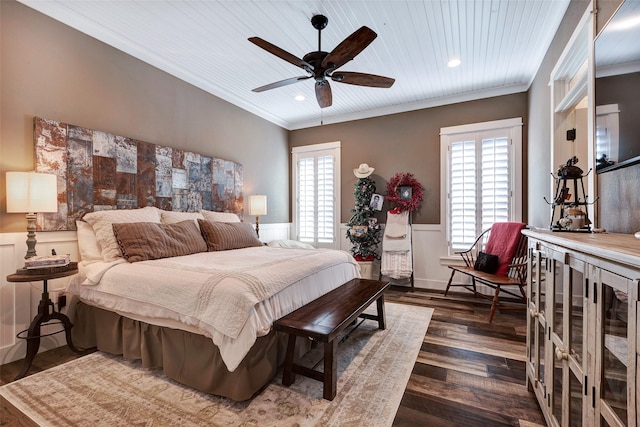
{"points": [[31, 235], [257, 226]]}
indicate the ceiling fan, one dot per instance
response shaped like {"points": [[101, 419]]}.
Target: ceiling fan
{"points": [[321, 65]]}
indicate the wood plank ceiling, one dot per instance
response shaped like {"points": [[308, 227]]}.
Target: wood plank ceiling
{"points": [[501, 44]]}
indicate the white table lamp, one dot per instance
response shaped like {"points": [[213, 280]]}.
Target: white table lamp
{"points": [[31, 193], [257, 207]]}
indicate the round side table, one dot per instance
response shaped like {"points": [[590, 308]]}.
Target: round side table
{"points": [[46, 313]]}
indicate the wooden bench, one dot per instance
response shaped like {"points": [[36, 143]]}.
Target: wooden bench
{"points": [[516, 275], [322, 320]]}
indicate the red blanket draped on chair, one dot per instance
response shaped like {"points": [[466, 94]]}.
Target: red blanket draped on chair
{"points": [[503, 242]]}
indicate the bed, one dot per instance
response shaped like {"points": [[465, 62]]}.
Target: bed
{"points": [[195, 294]]}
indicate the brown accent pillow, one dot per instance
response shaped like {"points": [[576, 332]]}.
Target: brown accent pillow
{"points": [[141, 241], [221, 236]]}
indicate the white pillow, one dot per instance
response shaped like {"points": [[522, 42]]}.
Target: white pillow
{"points": [[87, 243], [220, 216], [102, 221], [172, 217], [285, 243]]}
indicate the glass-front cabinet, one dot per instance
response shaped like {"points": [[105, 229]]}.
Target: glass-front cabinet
{"points": [[615, 389], [582, 337], [536, 321], [567, 339]]}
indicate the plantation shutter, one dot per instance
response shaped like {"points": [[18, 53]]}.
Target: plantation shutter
{"points": [[463, 193], [325, 203], [479, 185], [316, 193]]}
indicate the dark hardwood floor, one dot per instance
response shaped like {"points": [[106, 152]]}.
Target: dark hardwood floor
{"points": [[468, 372]]}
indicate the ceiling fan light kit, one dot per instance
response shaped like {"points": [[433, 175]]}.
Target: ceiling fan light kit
{"points": [[321, 65]]}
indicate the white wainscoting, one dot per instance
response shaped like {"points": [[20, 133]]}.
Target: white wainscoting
{"points": [[429, 247], [269, 232], [19, 301]]}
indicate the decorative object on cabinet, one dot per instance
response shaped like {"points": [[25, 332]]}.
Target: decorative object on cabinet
{"points": [[411, 198], [31, 193], [257, 207], [506, 241], [582, 328], [566, 209], [363, 230]]}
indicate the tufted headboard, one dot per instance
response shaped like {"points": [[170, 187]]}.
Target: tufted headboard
{"points": [[98, 170]]}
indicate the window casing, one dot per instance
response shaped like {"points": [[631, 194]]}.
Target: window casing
{"points": [[316, 193], [482, 166]]}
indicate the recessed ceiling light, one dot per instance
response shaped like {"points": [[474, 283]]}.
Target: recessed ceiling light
{"points": [[454, 62], [299, 98]]}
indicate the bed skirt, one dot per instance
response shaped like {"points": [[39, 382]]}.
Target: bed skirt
{"points": [[185, 357]]}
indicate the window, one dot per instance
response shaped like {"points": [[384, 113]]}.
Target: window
{"points": [[482, 164], [316, 184]]}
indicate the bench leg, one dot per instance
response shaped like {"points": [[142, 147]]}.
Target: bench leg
{"points": [[288, 376], [494, 304], [449, 284], [330, 370], [381, 318]]}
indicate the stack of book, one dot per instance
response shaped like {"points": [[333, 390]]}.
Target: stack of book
{"points": [[38, 262]]}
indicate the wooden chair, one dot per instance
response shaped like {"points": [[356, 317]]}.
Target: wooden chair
{"points": [[512, 271]]}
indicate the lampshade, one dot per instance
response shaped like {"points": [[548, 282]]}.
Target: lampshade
{"points": [[31, 192], [257, 205]]}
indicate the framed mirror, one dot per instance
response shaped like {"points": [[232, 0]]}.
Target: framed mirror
{"points": [[617, 90]]}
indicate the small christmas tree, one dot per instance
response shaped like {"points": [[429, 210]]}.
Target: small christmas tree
{"points": [[364, 230]]}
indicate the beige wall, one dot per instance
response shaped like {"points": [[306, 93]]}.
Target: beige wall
{"points": [[539, 132], [406, 142], [55, 72], [52, 71]]}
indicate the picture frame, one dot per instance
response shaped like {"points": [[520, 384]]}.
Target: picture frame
{"points": [[376, 202], [406, 192], [359, 230]]}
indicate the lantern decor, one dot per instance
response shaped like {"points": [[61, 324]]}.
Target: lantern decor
{"points": [[405, 192], [363, 229]]}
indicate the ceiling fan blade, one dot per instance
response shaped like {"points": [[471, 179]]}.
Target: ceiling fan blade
{"points": [[362, 79], [281, 83], [280, 53], [349, 48], [323, 94]]}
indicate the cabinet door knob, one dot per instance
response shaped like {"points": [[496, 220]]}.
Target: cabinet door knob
{"points": [[561, 354], [533, 312]]}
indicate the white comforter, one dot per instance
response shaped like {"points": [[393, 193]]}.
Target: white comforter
{"points": [[232, 296]]}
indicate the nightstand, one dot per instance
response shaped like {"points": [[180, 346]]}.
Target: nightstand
{"points": [[46, 312]]}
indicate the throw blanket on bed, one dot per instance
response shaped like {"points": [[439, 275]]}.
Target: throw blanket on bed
{"points": [[216, 292]]}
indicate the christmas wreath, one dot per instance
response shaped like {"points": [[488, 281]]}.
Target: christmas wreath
{"points": [[405, 179]]}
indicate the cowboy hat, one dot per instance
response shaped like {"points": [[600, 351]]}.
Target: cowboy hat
{"points": [[363, 171]]}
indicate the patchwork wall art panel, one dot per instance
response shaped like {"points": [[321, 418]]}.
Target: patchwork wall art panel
{"points": [[98, 170]]}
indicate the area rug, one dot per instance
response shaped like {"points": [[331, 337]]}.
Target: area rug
{"points": [[103, 390]]}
